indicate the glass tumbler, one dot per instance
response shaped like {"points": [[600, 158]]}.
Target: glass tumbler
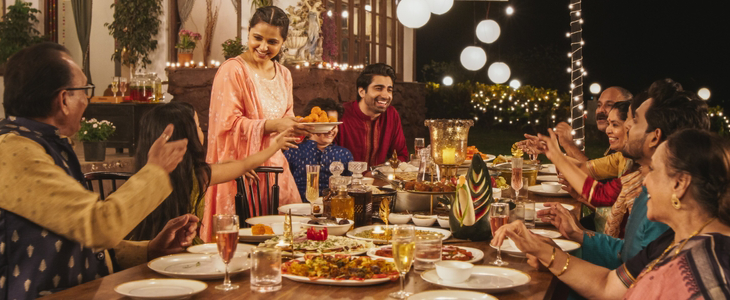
{"points": [[428, 252], [265, 269]]}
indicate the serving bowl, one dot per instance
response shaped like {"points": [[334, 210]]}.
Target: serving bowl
{"points": [[399, 218], [331, 229], [443, 221], [453, 271], [550, 186], [424, 220]]}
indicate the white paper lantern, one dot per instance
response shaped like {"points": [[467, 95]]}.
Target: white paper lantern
{"points": [[473, 58], [413, 13], [499, 72], [704, 93], [448, 81], [595, 88], [488, 31], [515, 84], [440, 7]]}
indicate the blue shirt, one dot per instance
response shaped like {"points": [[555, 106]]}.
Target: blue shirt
{"points": [[309, 154], [610, 252]]}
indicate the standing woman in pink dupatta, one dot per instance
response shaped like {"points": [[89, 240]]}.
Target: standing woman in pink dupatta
{"points": [[251, 101]]}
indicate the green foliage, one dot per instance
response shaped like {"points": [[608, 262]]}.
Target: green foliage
{"points": [[95, 131], [136, 23], [233, 47], [718, 121], [188, 39], [16, 29], [255, 4]]}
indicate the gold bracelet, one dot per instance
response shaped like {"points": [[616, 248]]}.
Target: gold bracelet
{"points": [[552, 259], [567, 261]]}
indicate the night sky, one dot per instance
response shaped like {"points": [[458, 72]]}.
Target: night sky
{"points": [[628, 43]]}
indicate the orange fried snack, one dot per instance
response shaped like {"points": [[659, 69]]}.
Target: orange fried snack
{"points": [[316, 110], [333, 119], [261, 229]]}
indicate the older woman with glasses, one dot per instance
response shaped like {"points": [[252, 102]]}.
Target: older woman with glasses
{"points": [[689, 183]]}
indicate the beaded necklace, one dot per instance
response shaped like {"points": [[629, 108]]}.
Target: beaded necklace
{"points": [[651, 266]]}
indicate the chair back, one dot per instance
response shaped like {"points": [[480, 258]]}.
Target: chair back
{"points": [[257, 198], [104, 178]]}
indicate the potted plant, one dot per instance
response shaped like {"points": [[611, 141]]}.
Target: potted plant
{"points": [[135, 27], [186, 45], [233, 48], [17, 30], [93, 134]]}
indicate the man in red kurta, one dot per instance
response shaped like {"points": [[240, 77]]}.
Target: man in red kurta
{"points": [[371, 128]]}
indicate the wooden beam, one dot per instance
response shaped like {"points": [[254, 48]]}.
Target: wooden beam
{"points": [[401, 50], [338, 26], [373, 31], [361, 15], [383, 38], [393, 36], [351, 33], [173, 20]]}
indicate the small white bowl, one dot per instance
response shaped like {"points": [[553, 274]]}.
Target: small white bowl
{"points": [[423, 220], [368, 180], [551, 187], [398, 218], [332, 229], [453, 271], [444, 221]]}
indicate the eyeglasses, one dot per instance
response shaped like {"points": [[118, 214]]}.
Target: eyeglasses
{"points": [[88, 90]]}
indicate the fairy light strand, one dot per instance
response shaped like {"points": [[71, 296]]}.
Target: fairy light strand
{"points": [[577, 71]]}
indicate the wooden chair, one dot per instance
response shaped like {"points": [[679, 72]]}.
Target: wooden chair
{"points": [[248, 197], [101, 178]]}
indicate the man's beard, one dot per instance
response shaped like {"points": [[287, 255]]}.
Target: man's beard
{"points": [[633, 149]]}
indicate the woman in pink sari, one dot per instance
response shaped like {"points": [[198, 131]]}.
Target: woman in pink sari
{"points": [[251, 102]]}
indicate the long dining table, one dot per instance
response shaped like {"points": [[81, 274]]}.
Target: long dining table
{"points": [[543, 285]]}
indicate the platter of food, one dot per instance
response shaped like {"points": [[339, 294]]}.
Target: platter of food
{"points": [[330, 244], [366, 233], [472, 150], [427, 187], [448, 252], [319, 119], [256, 234], [339, 270]]}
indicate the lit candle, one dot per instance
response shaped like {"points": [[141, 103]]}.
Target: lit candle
{"points": [[178, 65], [391, 177], [298, 67], [200, 64], [217, 64], [167, 64], [192, 63], [448, 156], [212, 62], [187, 64], [378, 230], [306, 64]]}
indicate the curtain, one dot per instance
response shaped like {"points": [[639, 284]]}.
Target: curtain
{"points": [[82, 16], [184, 7]]}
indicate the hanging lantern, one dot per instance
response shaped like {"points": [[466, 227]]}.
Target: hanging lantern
{"points": [[413, 13], [473, 58], [498, 72], [515, 84], [440, 7], [488, 31]]}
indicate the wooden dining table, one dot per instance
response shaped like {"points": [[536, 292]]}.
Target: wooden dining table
{"points": [[542, 285]]}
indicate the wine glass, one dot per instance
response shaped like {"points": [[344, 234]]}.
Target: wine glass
{"points": [[115, 86], [123, 85], [419, 144], [498, 216], [226, 227], [312, 183], [404, 244], [517, 176]]}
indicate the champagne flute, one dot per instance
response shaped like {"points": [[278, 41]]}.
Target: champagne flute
{"points": [[498, 216], [419, 144], [517, 176], [227, 240], [115, 87], [312, 183], [404, 244]]}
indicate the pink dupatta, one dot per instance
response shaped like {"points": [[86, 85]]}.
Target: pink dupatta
{"points": [[236, 130]]}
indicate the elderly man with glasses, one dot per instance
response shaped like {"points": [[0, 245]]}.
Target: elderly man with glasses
{"points": [[53, 232]]}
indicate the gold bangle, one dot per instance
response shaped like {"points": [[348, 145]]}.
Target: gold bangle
{"points": [[552, 259], [567, 261]]}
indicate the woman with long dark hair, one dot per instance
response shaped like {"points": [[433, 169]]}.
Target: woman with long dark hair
{"points": [[192, 177], [251, 103]]}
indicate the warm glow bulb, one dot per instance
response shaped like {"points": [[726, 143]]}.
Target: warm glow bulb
{"points": [[509, 10], [595, 88], [515, 84], [704, 93], [448, 81], [413, 13]]}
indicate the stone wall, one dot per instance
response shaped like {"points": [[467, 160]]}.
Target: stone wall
{"points": [[194, 86]]}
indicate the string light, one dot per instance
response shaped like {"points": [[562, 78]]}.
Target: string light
{"points": [[576, 73]]}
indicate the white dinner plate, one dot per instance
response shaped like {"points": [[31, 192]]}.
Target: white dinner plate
{"points": [[164, 288], [547, 233], [541, 205], [353, 233], [547, 178], [477, 254], [510, 248], [297, 209], [485, 278], [322, 127], [192, 266], [537, 189], [451, 295], [545, 169], [212, 248], [268, 220], [244, 234], [490, 157]]}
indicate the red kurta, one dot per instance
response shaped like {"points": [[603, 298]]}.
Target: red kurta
{"points": [[372, 141]]}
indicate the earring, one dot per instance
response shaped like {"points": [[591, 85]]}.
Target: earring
{"points": [[675, 202]]}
